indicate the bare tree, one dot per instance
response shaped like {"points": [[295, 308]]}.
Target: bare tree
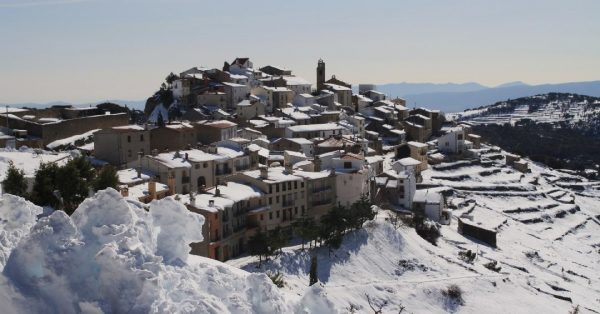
{"points": [[379, 307]]}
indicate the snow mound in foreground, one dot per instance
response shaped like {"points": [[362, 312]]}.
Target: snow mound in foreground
{"points": [[14, 224], [113, 256]]}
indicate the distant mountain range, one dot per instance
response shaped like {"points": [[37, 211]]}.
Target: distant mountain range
{"points": [[458, 97], [449, 97], [133, 104]]}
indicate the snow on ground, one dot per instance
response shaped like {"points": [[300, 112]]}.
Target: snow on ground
{"points": [[29, 160], [118, 256], [548, 249]]}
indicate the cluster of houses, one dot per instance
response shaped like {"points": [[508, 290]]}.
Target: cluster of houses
{"points": [[255, 149]]}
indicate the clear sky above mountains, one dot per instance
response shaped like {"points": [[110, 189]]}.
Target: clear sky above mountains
{"points": [[88, 50]]}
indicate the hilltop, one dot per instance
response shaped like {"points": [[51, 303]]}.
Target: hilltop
{"points": [[561, 130], [458, 99]]}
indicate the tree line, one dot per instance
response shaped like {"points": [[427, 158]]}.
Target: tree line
{"points": [[61, 187], [330, 230]]}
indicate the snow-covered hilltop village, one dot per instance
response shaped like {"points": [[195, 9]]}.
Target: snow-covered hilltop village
{"points": [[248, 189]]}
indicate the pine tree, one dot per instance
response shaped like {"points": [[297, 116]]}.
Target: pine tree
{"points": [[14, 183], [73, 188], [44, 185], [257, 245], [107, 178], [160, 121], [276, 240], [313, 271], [306, 228]]}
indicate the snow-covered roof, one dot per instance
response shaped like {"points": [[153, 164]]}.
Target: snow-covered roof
{"points": [[300, 140], [133, 127], [71, 139], [336, 87], [203, 201], [417, 144], [315, 127], [237, 191], [275, 174], [295, 80], [141, 190], [129, 176], [408, 162], [427, 196]]}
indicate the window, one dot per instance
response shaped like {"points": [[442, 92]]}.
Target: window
{"points": [[277, 188], [277, 199], [303, 210], [302, 184], [128, 138], [270, 200], [261, 217], [141, 137], [205, 165], [295, 210], [289, 186], [270, 215], [277, 214], [347, 164], [283, 186], [197, 166], [295, 184], [129, 153], [270, 189]]}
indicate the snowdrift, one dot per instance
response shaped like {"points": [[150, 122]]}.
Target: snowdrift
{"points": [[115, 256]]}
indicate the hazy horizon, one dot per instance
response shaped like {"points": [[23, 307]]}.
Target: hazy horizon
{"points": [[88, 50]]}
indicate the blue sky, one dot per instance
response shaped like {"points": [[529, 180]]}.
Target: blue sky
{"points": [[88, 50]]}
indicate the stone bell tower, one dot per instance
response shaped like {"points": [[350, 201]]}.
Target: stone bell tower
{"points": [[320, 75]]}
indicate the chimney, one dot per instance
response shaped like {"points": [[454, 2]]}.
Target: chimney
{"points": [[171, 184], [152, 189], [155, 152], [289, 167], [192, 197], [212, 149], [124, 191], [317, 162], [186, 156], [264, 172], [211, 203], [217, 191]]}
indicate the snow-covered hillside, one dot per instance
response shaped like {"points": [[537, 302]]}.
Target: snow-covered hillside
{"points": [[547, 225], [115, 255], [118, 256], [550, 108]]}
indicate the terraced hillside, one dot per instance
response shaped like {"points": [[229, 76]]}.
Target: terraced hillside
{"points": [[546, 108], [547, 258]]}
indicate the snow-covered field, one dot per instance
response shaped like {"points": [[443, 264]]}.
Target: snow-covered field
{"points": [[548, 250]]}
